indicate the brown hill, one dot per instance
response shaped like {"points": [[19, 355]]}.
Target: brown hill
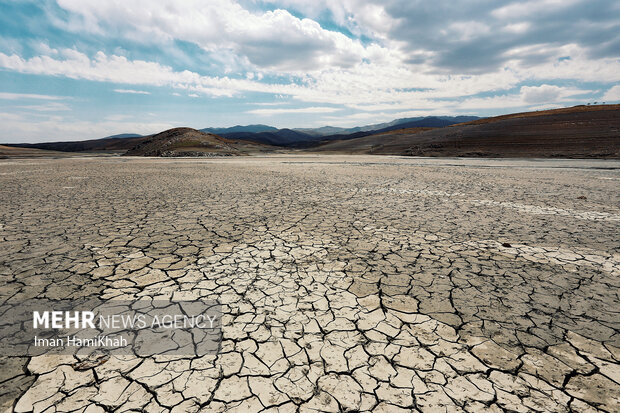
{"points": [[104, 145], [16, 152], [576, 132], [169, 143], [191, 142]]}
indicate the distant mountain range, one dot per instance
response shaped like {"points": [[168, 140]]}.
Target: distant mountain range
{"points": [[304, 137], [240, 129], [279, 137], [262, 134], [332, 130], [572, 132]]}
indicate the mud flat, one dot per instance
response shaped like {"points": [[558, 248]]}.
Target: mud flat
{"points": [[348, 283]]}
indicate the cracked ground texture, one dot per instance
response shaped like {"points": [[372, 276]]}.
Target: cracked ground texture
{"points": [[347, 283]]}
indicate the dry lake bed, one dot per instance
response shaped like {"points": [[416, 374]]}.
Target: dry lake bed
{"points": [[347, 283]]}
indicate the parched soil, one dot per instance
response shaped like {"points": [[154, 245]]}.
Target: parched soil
{"points": [[347, 283]]}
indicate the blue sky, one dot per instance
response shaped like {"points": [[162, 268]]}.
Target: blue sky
{"points": [[82, 69]]}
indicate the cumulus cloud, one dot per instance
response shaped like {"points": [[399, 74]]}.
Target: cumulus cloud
{"points": [[364, 83], [540, 94], [119, 69], [367, 86], [381, 59], [472, 37], [534, 97], [612, 95], [457, 38], [274, 39]]}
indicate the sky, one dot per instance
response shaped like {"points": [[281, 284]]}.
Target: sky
{"points": [[85, 69]]}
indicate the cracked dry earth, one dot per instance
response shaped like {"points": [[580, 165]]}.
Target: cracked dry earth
{"points": [[348, 283]]}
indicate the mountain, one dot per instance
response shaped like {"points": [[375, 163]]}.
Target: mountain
{"points": [[281, 137], [191, 142], [429, 122], [264, 134], [240, 129], [322, 131], [331, 130], [577, 132], [303, 138], [423, 123], [460, 119]]}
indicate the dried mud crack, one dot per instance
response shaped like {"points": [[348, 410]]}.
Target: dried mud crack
{"points": [[347, 283]]}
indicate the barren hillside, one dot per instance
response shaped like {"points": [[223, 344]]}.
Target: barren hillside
{"points": [[192, 142], [577, 132]]}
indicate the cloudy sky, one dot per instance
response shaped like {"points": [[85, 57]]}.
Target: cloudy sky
{"points": [[79, 69]]}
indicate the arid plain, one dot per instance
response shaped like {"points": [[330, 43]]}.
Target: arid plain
{"points": [[348, 283]]}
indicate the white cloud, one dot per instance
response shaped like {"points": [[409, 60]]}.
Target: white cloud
{"points": [[77, 65], [532, 97], [273, 39], [359, 16], [459, 37], [47, 107], [44, 48], [580, 66], [15, 96], [16, 128], [520, 9], [517, 28], [366, 86], [8, 116], [612, 95], [383, 59], [269, 103], [278, 111], [465, 31], [132, 91], [541, 94]]}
